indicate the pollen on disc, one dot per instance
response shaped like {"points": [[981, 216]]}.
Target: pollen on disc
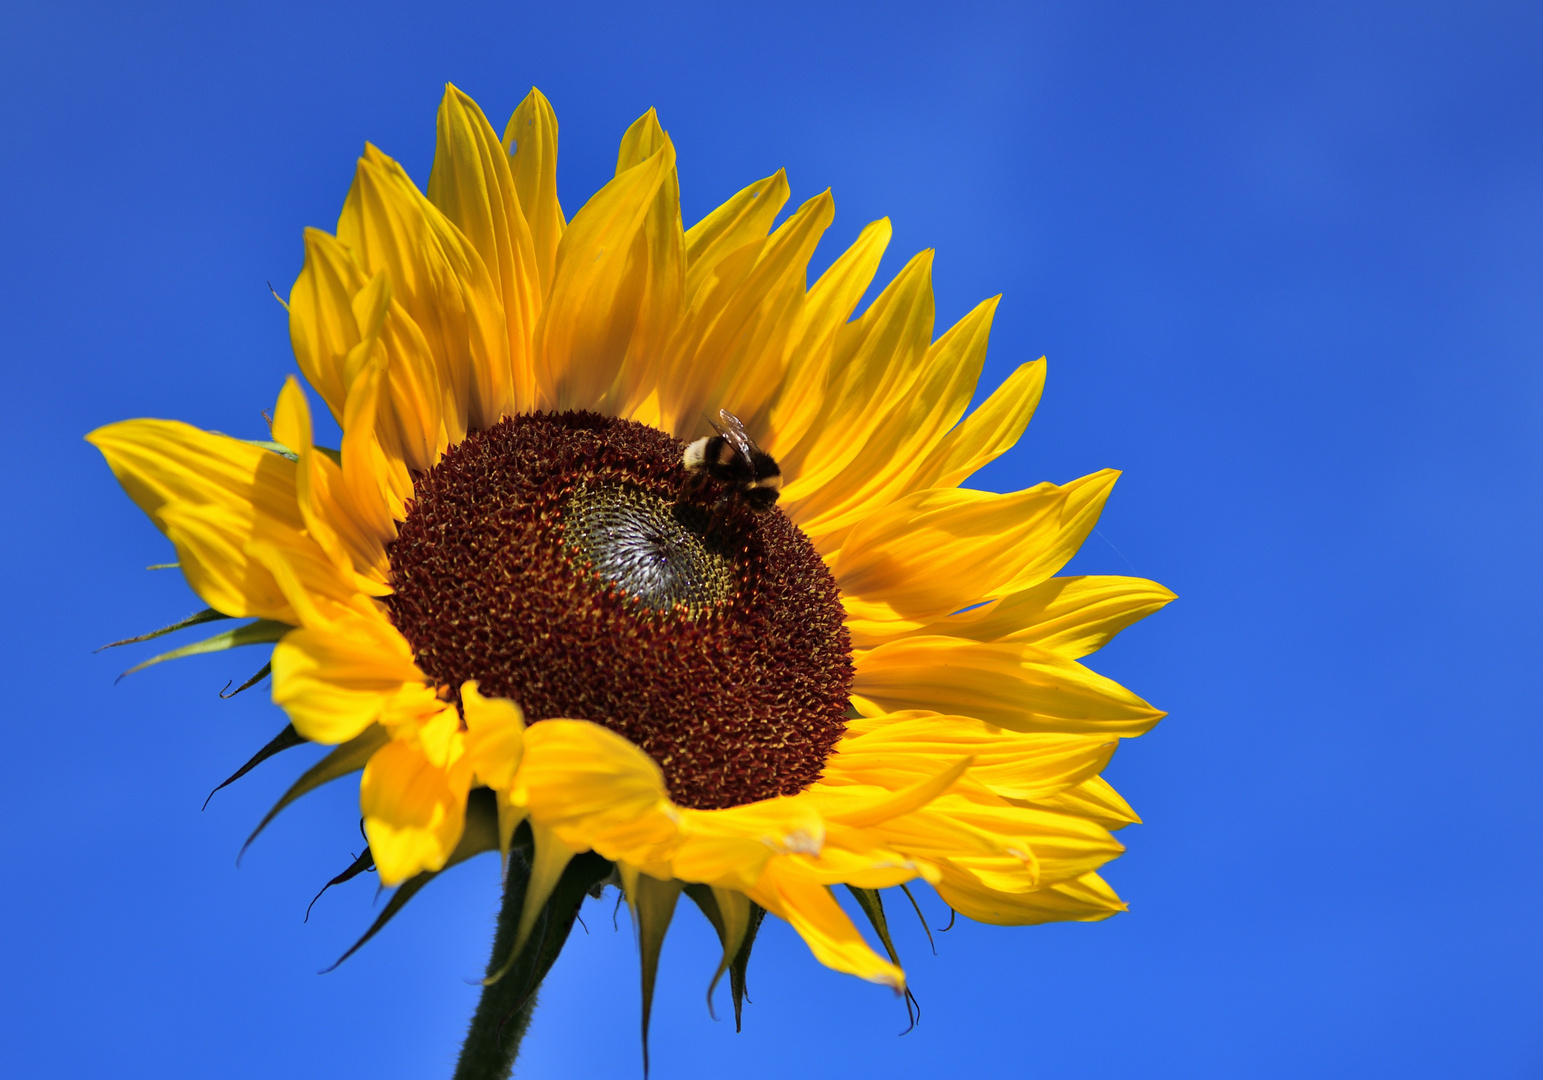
{"points": [[568, 562]]}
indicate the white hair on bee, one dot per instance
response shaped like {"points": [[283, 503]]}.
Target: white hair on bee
{"points": [[731, 457]]}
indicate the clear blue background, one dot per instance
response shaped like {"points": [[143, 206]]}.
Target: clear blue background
{"points": [[1286, 262]]}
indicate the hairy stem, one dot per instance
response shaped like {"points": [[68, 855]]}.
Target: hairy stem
{"points": [[503, 1013]]}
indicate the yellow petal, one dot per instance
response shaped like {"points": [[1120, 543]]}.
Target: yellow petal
{"points": [[745, 217], [918, 421], [929, 834], [616, 296], [819, 920], [848, 806], [1086, 899], [531, 143], [1093, 799], [317, 591], [595, 789], [1073, 616], [937, 551], [322, 327], [413, 812], [342, 319], [855, 857], [986, 433], [1011, 685], [1009, 763], [641, 141], [472, 183], [440, 280], [874, 364], [322, 496], [411, 420], [731, 348], [416, 712], [826, 309], [495, 737], [376, 480], [731, 847], [213, 496], [333, 681], [1064, 845]]}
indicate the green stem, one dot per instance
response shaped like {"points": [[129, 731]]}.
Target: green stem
{"points": [[503, 1013]]}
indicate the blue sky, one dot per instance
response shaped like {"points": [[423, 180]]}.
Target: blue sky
{"points": [[1286, 262]]}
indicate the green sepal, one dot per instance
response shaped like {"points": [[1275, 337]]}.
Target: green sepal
{"points": [[742, 962], [206, 615], [365, 860], [921, 918], [731, 937], [873, 907], [349, 757], [702, 897], [653, 906], [282, 741], [262, 673], [480, 834], [164, 566], [261, 632]]}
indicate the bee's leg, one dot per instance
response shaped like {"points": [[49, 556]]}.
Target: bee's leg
{"points": [[716, 517]]}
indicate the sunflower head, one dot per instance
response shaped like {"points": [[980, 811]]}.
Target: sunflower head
{"points": [[569, 563], [546, 604]]}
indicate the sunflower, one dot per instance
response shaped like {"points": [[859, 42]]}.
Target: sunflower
{"points": [[508, 601]]}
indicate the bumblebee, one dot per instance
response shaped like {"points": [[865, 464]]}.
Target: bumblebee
{"points": [[732, 457]]}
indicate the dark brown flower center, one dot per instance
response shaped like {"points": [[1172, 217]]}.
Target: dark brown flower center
{"points": [[567, 562]]}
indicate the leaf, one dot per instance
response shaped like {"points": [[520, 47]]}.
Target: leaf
{"points": [[349, 757], [261, 632], [206, 615], [282, 741], [481, 834]]}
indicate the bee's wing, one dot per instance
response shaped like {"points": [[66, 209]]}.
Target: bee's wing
{"points": [[734, 431]]}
